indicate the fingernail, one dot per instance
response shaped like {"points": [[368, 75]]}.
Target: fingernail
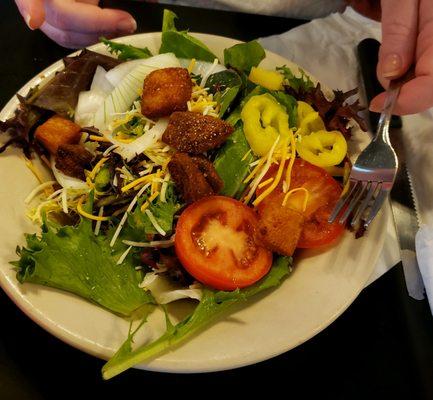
{"points": [[391, 66], [374, 108], [127, 25], [28, 20]]}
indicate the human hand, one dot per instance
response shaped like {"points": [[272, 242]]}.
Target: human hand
{"points": [[407, 38], [75, 23]]}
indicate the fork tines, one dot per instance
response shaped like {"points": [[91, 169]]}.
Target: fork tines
{"points": [[360, 196]]}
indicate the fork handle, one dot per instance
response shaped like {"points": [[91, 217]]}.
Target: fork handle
{"points": [[392, 93], [382, 132]]}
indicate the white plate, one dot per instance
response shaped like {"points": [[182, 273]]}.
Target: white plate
{"points": [[323, 284]]}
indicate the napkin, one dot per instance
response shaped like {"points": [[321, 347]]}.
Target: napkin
{"points": [[332, 42], [424, 251]]}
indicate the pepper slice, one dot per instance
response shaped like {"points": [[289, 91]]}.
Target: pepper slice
{"points": [[322, 148], [264, 121], [308, 119]]}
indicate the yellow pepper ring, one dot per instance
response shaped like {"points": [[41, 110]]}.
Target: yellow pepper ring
{"points": [[322, 148], [303, 110], [264, 120], [311, 123]]}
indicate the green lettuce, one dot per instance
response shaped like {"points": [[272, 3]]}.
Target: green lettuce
{"points": [[181, 43], [232, 163], [212, 305], [224, 85], [301, 83], [244, 56], [126, 51], [74, 259], [138, 224]]}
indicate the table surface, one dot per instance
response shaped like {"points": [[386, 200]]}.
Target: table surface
{"points": [[382, 345]]}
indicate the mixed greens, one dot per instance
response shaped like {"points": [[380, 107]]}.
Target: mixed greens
{"points": [[116, 206]]}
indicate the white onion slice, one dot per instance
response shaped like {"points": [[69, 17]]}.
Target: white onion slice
{"points": [[164, 291], [88, 103], [201, 67], [129, 150], [115, 75], [100, 83], [67, 182]]}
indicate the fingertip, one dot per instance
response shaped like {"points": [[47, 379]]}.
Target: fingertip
{"points": [[376, 103]]}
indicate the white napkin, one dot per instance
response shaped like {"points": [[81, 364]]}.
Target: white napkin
{"points": [[326, 47], [424, 251]]}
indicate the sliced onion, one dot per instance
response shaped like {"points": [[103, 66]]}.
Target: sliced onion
{"points": [[115, 75], [129, 150], [164, 291], [88, 103], [124, 94], [100, 82], [201, 67], [67, 182]]}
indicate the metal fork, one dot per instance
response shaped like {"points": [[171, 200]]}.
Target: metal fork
{"points": [[374, 171]]}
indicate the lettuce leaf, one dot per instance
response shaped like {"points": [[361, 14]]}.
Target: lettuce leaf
{"points": [[212, 305], [74, 259], [138, 224], [60, 94], [244, 56], [126, 51], [225, 86], [181, 43], [302, 83], [232, 163]]}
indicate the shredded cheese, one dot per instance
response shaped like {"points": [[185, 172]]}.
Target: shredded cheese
{"points": [[123, 256], [255, 170], [86, 214], [258, 179], [34, 170], [98, 223], [137, 182], [154, 222], [125, 216], [276, 181], [97, 138], [109, 150], [292, 160], [146, 204], [155, 243], [208, 73], [246, 155], [37, 190], [265, 183], [191, 65], [300, 189], [164, 187], [65, 200], [97, 167], [54, 194]]}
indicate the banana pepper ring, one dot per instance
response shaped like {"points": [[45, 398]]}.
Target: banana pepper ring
{"points": [[322, 148], [264, 120]]}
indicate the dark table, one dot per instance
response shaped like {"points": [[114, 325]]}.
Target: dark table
{"points": [[382, 346]]}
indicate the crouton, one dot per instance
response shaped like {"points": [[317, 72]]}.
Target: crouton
{"points": [[72, 159], [194, 133], [57, 131], [192, 178], [279, 227], [164, 91], [209, 173]]}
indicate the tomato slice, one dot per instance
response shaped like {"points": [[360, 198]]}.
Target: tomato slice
{"points": [[216, 243], [323, 193]]}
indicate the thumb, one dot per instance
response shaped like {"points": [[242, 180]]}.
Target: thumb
{"points": [[399, 35], [32, 11]]}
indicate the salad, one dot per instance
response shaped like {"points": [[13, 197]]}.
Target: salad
{"points": [[177, 176]]}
